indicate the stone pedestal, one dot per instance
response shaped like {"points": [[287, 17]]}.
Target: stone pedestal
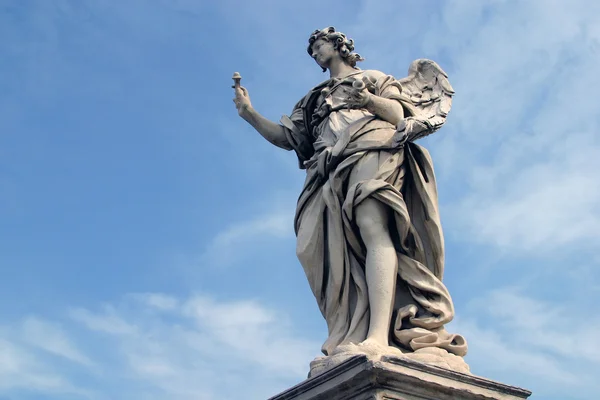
{"points": [[391, 378]]}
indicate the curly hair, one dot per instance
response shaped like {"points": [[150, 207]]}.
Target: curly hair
{"points": [[341, 43]]}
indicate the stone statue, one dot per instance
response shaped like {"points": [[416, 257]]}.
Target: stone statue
{"points": [[368, 229]]}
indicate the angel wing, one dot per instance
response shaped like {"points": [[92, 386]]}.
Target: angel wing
{"points": [[427, 96]]}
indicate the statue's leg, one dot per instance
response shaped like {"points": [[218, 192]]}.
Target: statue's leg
{"points": [[372, 218]]}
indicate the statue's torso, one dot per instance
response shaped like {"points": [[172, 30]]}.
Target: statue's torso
{"points": [[331, 116]]}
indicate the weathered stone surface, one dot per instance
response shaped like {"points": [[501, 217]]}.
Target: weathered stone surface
{"points": [[369, 234], [398, 378]]}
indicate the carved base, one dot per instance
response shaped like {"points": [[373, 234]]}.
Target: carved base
{"points": [[361, 377], [429, 355]]}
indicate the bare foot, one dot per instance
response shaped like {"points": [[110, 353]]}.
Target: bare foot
{"points": [[345, 348], [372, 342], [373, 346]]}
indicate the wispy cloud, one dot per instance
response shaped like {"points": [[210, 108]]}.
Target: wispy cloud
{"points": [[181, 344], [153, 345], [23, 369], [493, 355], [235, 240], [256, 334], [51, 338], [108, 321], [521, 137], [548, 347], [560, 329]]}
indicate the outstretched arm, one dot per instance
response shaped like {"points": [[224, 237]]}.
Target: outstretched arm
{"points": [[270, 130]]}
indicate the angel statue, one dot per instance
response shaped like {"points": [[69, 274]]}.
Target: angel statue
{"points": [[367, 223]]}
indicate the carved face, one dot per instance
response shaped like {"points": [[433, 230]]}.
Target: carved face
{"points": [[323, 52]]}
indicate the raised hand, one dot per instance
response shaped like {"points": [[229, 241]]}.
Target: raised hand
{"points": [[241, 100]]}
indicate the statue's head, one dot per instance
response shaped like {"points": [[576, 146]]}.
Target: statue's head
{"points": [[326, 43]]}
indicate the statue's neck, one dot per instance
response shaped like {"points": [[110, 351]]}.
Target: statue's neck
{"points": [[340, 69]]}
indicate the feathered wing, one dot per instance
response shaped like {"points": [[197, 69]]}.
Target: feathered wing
{"points": [[427, 95]]}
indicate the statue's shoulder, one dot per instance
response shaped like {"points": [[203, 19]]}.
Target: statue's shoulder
{"points": [[312, 94], [319, 86]]}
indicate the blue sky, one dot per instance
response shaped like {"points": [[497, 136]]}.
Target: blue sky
{"points": [[146, 236]]}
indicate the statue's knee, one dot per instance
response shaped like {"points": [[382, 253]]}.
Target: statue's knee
{"points": [[302, 253], [371, 218]]}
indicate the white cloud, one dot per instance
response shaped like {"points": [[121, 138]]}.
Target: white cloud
{"points": [[22, 369], [51, 338], [108, 321], [255, 333], [37, 355], [154, 346], [199, 347], [277, 225], [548, 347], [240, 333], [493, 356], [545, 207], [561, 329], [522, 135], [230, 243], [159, 301]]}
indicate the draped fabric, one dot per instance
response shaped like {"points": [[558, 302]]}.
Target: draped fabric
{"points": [[351, 155]]}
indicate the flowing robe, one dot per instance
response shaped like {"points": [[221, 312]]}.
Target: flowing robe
{"points": [[333, 143]]}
